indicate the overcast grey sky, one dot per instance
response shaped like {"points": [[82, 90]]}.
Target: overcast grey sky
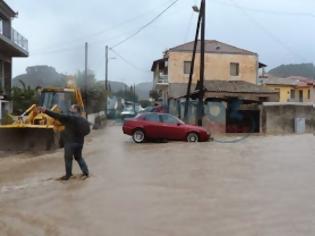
{"points": [[280, 31]]}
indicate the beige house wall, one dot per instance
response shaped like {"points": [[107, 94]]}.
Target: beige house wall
{"points": [[217, 67]]}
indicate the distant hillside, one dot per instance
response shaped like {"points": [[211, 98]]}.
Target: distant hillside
{"points": [[45, 76], [115, 86], [306, 70], [42, 76], [143, 90]]}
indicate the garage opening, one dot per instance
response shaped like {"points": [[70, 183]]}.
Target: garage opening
{"points": [[240, 120]]}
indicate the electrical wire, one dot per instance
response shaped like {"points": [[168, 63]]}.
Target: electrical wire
{"points": [[268, 32], [100, 32], [268, 11], [144, 26], [190, 23], [57, 51], [128, 62]]}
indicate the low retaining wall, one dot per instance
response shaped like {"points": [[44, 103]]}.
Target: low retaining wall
{"points": [[97, 120], [279, 118]]}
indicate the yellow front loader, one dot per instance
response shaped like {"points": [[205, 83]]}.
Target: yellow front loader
{"points": [[37, 131]]}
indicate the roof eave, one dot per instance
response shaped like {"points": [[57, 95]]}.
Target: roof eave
{"points": [[7, 10], [228, 53]]}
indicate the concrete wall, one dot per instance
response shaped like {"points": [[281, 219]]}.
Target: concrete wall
{"points": [[173, 107], [280, 118], [217, 67], [192, 111], [215, 114], [97, 120], [5, 108], [215, 117]]}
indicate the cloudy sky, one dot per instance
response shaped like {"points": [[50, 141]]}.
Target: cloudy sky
{"points": [[280, 31]]}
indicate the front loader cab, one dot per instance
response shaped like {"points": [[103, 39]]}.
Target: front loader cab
{"points": [[63, 99]]}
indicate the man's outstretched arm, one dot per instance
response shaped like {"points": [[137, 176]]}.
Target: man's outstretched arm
{"points": [[61, 117]]}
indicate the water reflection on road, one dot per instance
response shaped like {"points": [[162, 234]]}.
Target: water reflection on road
{"points": [[261, 186]]}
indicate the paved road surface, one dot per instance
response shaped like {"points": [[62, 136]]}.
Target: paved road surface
{"points": [[261, 186]]}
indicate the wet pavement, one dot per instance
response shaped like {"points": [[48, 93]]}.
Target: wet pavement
{"points": [[260, 186]]}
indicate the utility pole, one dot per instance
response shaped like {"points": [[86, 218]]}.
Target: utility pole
{"points": [[106, 78], [86, 78], [201, 24], [192, 67], [202, 64], [134, 98]]}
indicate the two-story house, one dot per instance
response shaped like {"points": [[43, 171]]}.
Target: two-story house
{"points": [[230, 86], [12, 44], [293, 88], [222, 62]]}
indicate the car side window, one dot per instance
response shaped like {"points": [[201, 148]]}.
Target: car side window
{"points": [[168, 119], [152, 117]]}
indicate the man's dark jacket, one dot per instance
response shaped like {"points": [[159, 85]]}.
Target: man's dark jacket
{"points": [[72, 123]]}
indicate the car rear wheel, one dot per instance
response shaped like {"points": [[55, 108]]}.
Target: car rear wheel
{"points": [[192, 138], [138, 136]]}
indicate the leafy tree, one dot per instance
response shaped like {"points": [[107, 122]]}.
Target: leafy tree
{"points": [[22, 98], [96, 99], [80, 79], [128, 95], [154, 94], [145, 103], [96, 93]]}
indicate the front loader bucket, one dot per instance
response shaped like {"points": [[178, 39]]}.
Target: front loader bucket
{"points": [[27, 138]]}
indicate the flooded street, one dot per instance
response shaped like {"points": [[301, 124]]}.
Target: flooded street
{"points": [[260, 186]]}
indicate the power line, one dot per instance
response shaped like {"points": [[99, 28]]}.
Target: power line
{"points": [[189, 25], [268, 11], [128, 62], [268, 32], [144, 26], [101, 32], [57, 51], [73, 48]]}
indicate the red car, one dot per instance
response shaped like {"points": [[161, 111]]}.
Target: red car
{"points": [[154, 126]]}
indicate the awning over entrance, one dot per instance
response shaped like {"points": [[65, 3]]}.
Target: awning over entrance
{"points": [[219, 89]]}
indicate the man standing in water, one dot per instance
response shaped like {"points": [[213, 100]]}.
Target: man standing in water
{"points": [[76, 127]]}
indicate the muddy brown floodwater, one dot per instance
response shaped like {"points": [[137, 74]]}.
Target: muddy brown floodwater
{"points": [[261, 186]]}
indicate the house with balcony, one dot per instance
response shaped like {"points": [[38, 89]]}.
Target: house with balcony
{"points": [[222, 62], [232, 97], [12, 44], [292, 89]]}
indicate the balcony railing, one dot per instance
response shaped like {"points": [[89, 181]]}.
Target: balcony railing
{"points": [[19, 40], [163, 79]]}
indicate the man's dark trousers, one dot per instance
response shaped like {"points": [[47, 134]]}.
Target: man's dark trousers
{"points": [[74, 150]]}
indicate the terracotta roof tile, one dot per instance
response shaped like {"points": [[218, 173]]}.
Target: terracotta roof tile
{"points": [[234, 86]]}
